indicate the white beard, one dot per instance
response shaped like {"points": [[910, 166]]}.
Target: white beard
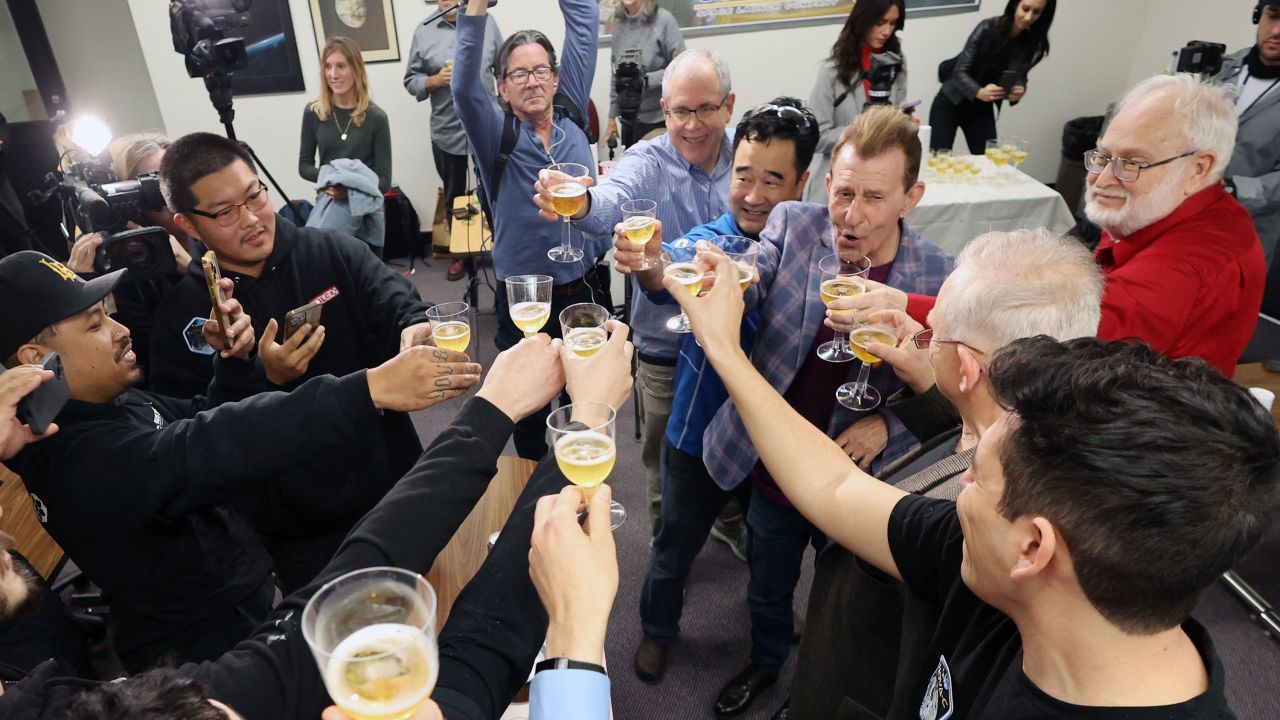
{"points": [[1137, 212]]}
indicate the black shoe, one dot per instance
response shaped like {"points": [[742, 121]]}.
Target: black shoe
{"points": [[650, 662], [783, 712], [743, 689]]}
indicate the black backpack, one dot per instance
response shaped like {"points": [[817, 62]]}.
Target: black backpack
{"points": [[562, 107], [403, 237]]}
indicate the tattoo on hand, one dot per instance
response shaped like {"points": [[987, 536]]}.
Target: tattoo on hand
{"points": [[440, 355], [443, 382]]}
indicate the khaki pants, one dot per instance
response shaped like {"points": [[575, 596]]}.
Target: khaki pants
{"points": [[655, 385]]}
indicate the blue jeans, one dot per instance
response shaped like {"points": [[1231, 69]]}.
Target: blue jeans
{"points": [[775, 546], [691, 500]]}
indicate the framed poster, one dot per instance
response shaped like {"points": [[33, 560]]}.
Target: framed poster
{"points": [[272, 49], [371, 23]]}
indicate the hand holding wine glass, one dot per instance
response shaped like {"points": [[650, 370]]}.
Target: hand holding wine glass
{"points": [[604, 376], [568, 200], [524, 377], [529, 302], [717, 315]]}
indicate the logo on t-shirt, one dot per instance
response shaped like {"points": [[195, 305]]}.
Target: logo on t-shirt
{"points": [[326, 296], [937, 703]]}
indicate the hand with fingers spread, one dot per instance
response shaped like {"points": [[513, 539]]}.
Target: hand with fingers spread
{"points": [[15, 384], [716, 315], [525, 376], [548, 179], [865, 439], [240, 332], [574, 567], [909, 363], [604, 377], [427, 711], [420, 377], [288, 361]]}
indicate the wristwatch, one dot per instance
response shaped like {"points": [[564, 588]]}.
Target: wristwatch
{"points": [[562, 663]]}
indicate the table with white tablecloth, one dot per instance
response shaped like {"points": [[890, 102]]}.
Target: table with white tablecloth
{"points": [[953, 212]]}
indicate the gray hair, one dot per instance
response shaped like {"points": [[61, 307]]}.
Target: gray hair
{"points": [[1208, 117], [648, 9], [1011, 285], [716, 60]]}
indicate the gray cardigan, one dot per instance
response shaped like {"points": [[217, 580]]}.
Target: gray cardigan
{"points": [[1255, 164]]}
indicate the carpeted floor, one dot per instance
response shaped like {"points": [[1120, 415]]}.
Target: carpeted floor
{"points": [[715, 632]]}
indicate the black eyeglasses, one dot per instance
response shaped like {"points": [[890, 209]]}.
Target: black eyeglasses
{"points": [[785, 112], [542, 73], [230, 214], [1126, 170], [703, 112]]}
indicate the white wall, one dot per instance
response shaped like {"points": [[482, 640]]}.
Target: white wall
{"points": [[1099, 48]]}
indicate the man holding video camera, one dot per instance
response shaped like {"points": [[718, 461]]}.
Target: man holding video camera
{"points": [[1253, 176], [368, 314], [134, 485]]}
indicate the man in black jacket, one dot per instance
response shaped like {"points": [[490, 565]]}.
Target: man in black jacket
{"points": [[369, 314], [133, 484]]}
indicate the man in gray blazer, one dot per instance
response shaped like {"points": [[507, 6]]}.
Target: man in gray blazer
{"points": [[1253, 175]]}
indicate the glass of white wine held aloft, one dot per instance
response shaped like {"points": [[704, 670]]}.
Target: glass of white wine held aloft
{"points": [[582, 327], [859, 395], [583, 437], [450, 325], [844, 274], [529, 302], [638, 222], [681, 264], [568, 198], [373, 635]]}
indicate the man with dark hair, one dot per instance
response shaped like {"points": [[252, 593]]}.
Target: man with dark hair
{"points": [[370, 313], [134, 486], [1084, 531]]}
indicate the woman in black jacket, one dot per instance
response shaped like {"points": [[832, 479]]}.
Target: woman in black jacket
{"points": [[1013, 42]]}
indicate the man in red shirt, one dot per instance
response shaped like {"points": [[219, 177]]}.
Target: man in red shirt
{"points": [[1182, 260]]}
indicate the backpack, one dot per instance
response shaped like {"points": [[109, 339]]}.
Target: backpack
{"points": [[563, 107], [403, 236]]}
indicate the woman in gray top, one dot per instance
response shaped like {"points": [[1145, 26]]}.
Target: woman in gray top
{"points": [[840, 92], [642, 25], [343, 122]]}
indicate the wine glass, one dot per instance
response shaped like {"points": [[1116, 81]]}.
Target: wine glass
{"points": [[529, 302], [858, 395], [997, 154], [843, 275], [680, 263], [639, 222], [1021, 151], [582, 327], [373, 635], [742, 251], [583, 437], [450, 327], [568, 197]]}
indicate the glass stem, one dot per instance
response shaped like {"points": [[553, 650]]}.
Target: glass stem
{"points": [[565, 243], [860, 387]]}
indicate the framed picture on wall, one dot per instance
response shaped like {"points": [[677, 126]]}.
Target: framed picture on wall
{"points": [[370, 23], [272, 49]]}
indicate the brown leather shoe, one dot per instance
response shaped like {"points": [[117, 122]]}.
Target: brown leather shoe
{"points": [[650, 661], [456, 270]]}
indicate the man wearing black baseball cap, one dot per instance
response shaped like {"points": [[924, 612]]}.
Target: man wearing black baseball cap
{"points": [[133, 485]]}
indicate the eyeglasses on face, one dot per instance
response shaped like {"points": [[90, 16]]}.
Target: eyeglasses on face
{"points": [[923, 338], [230, 214], [703, 112], [542, 73], [785, 112], [1125, 170]]}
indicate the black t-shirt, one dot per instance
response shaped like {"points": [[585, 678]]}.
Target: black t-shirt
{"points": [[979, 668]]}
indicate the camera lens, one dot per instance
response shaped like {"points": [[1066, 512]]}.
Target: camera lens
{"points": [[136, 253]]}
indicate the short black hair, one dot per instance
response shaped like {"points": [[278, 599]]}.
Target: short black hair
{"points": [[161, 694], [192, 157], [1160, 474], [515, 40], [764, 123]]}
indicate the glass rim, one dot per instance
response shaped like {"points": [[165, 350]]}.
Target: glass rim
{"points": [[528, 279], [835, 257], [639, 206], [582, 307], [431, 600], [453, 309], [561, 168], [567, 411]]}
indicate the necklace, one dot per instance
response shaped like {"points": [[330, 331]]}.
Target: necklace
{"points": [[343, 130]]}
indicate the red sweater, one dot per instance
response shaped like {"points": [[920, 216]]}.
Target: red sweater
{"points": [[1189, 284]]}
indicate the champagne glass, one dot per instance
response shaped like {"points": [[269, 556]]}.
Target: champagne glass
{"points": [[842, 276], [680, 263], [858, 395], [450, 327], [568, 197], [639, 222], [742, 251], [583, 437], [529, 302], [997, 154], [582, 327], [373, 635], [1021, 151]]}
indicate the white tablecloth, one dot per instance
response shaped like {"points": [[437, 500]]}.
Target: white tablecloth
{"points": [[952, 213]]}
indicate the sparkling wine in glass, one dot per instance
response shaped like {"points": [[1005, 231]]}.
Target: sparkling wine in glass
{"points": [[859, 395], [639, 220], [844, 274], [681, 264], [582, 327], [373, 635], [568, 198], [743, 252], [450, 326], [529, 302], [583, 437]]}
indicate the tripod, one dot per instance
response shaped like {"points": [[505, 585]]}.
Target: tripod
{"points": [[218, 83]]}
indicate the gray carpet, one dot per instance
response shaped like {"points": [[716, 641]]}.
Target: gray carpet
{"points": [[715, 632]]}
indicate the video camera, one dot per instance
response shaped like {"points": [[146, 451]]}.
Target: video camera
{"points": [[1201, 58], [629, 82], [884, 71], [199, 32]]}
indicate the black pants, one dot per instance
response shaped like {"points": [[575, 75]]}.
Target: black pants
{"points": [[976, 118], [453, 173]]}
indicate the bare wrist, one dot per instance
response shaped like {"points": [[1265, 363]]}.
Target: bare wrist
{"points": [[568, 640], [508, 406]]}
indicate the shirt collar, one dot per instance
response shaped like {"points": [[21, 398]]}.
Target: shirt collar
{"points": [[1117, 252]]}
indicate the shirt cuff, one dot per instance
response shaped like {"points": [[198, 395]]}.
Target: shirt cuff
{"points": [[570, 695]]}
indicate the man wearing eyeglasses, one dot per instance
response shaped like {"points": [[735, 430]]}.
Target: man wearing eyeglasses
{"points": [[369, 313], [1185, 270]]}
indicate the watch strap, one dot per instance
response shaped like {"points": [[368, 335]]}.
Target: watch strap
{"points": [[562, 663]]}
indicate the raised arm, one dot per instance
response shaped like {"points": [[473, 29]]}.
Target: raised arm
{"points": [[480, 119]]}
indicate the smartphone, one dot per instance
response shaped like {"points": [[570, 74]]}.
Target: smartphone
{"points": [[297, 317], [212, 274], [1008, 79], [43, 404], [908, 107]]}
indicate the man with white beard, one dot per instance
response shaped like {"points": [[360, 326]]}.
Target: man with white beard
{"points": [[1184, 267]]}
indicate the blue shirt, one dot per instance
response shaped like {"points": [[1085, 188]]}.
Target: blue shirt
{"points": [[687, 197], [569, 695], [522, 238], [699, 390]]}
